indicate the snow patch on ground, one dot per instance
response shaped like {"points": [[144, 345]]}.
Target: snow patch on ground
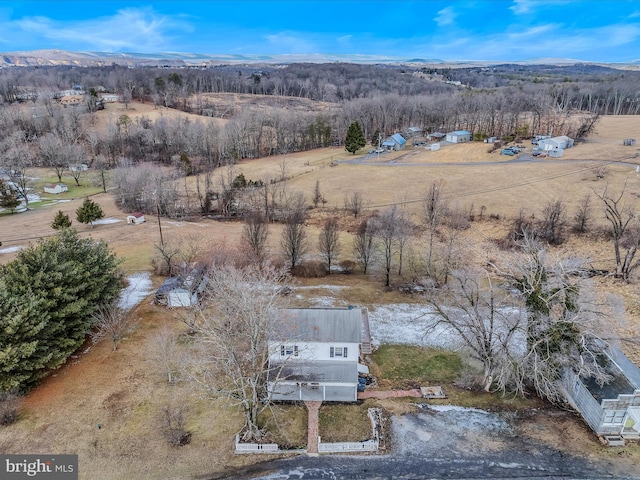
{"points": [[105, 221], [139, 287], [444, 426], [11, 249], [406, 324]]}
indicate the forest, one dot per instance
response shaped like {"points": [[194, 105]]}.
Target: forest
{"points": [[277, 109]]}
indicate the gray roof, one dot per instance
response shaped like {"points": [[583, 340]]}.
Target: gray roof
{"points": [[319, 325], [324, 371]]}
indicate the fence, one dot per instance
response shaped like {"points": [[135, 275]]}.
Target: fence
{"points": [[366, 446], [255, 447]]}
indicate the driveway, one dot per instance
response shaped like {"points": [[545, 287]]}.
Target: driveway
{"points": [[452, 442]]}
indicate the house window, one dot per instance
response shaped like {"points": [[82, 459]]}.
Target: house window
{"points": [[614, 417], [338, 352], [288, 350]]}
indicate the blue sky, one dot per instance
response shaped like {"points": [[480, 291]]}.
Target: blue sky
{"points": [[602, 31]]}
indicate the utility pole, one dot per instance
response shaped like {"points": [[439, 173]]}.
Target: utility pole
{"points": [[158, 215]]}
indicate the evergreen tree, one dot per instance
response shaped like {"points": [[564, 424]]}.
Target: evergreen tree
{"points": [[89, 212], [60, 221], [8, 197], [355, 138], [48, 297]]}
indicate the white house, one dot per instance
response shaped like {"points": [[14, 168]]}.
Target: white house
{"points": [[459, 136], [135, 218], [555, 143], [55, 188], [314, 354], [611, 409]]}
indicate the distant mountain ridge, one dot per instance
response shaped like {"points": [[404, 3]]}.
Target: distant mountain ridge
{"points": [[179, 59]]}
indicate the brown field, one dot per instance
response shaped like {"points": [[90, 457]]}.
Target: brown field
{"points": [[123, 393]]}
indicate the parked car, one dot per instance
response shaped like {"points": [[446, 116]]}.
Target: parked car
{"points": [[507, 151], [379, 150]]}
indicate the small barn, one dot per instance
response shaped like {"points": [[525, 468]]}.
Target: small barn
{"points": [[613, 408], [459, 136], [55, 188], [184, 290], [555, 143], [436, 136], [135, 218], [394, 142], [413, 132]]}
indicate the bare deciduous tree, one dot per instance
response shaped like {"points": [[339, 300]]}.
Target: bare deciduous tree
{"points": [[434, 210], [482, 318], [582, 217], [329, 243], [386, 228], [354, 204], [624, 229], [255, 234], [364, 243], [165, 354], [553, 222], [232, 339], [112, 322], [561, 327], [294, 236]]}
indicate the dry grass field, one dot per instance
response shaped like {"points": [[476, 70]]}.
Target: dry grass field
{"points": [[122, 392]]}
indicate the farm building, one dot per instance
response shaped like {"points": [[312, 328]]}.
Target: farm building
{"points": [[183, 290], [135, 218], [555, 143], [611, 409], [314, 354], [394, 142], [436, 136], [55, 188], [459, 136], [413, 132]]}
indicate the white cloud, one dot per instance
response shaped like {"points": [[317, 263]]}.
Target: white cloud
{"points": [[521, 7], [445, 17], [133, 29], [287, 42]]}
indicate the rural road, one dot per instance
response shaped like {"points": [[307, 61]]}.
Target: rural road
{"points": [[451, 443]]}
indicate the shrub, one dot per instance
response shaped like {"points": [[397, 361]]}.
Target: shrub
{"points": [[347, 266], [310, 269], [173, 421], [9, 404]]}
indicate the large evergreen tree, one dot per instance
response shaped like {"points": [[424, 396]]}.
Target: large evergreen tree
{"points": [[355, 138], [89, 212], [48, 297]]}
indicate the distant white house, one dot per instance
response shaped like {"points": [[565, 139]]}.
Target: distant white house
{"points": [[314, 354], [135, 218], [394, 142], [459, 136], [55, 188], [555, 143], [79, 167], [110, 97]]}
